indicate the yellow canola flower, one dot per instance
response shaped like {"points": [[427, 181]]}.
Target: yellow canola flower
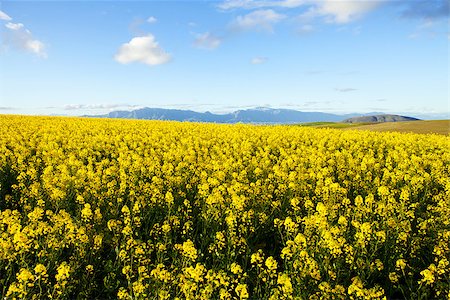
{"points": [[165, 228], [400, 264], [428, 275], [89, 268], [63, 272], [122, 294], [40, 269], [393, 277], [160, 210], [271, 263], [235, 268], [25, 275], [195, 273], [285, 282], [188, 250], [257, 258], [241, 291]]}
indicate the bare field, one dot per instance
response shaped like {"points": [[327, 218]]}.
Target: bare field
{"points": [[434, 126]]}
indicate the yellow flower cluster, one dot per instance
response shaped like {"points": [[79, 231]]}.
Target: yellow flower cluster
{"points": [[106, 209]]}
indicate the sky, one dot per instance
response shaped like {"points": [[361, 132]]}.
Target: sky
{"points": [[93, 57]]}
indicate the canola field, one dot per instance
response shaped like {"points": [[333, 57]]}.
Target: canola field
{"points": [[106, 209]]}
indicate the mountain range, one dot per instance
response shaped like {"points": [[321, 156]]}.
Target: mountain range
{"points": [[260, 115]]}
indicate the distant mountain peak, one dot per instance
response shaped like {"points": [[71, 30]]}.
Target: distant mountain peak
{"points": [[259, 115]]}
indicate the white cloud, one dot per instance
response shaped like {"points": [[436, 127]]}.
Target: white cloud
{"points": [[230, 4], [257, 20], [98, 106], [345, 90], [143, 49], [36, 47], [427, 24], [428, 29], [259, 60], [4, 16], [305, 29], [152, 20], [252, 4], [18, 37], [207, 40], [292, 3], [334, 11], [14, 26], [341, 11]]}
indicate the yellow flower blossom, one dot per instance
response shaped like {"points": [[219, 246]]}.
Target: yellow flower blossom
{"points": [[25, 275], [89, 268], [241, 291], [86, 212], [285, 283], [134, 209], [188, 250], [63, 272], [400, 264], [428, 275], [40, 270], [235, 268], [271, 263]]}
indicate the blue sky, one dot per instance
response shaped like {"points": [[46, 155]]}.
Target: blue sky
{"points": [[91, 57]]}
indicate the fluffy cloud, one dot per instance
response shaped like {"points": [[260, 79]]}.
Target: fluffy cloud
{"points": [[143, 49], [341, 11], [257, 20], [4, 16], [207, 40], [334, 11], [259, 60], [252, 4], [345, 11], [98, 106], [152, 20], [230, 4], [14, 26], [345, 90], [18, 37]]}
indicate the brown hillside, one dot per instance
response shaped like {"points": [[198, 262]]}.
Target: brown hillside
{"points": [[434, 126]]}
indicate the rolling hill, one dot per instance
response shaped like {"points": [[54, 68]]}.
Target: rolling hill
{"points": [[379, 119], [423, 127]]}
